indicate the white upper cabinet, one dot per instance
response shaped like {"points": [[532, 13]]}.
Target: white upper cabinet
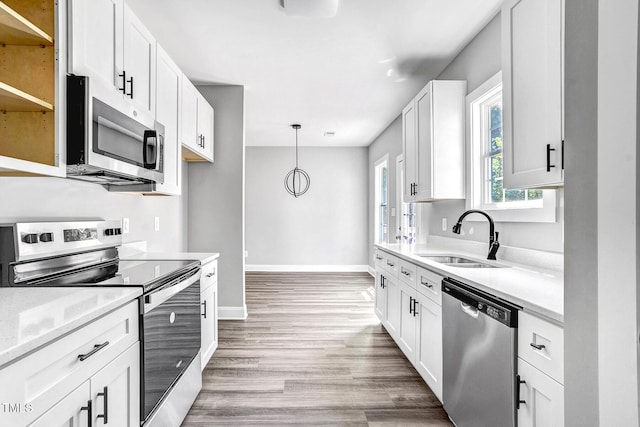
{"points": [[197, 125], [109, 44], [139, 63], [532, 72], [168, 90], [433, 142]]}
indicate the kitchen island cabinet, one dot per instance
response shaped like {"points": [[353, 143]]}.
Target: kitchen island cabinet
{"points": [[65, 349]]}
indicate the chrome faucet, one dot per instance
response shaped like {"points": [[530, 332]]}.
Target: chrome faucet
{"points": [[494, 245]]}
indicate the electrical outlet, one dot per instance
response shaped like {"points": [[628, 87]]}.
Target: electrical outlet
{"points": [[246, 254], [156, 223], [125, 225], [444, 224], [393, 211]]}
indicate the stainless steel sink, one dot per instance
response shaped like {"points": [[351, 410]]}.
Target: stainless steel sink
{"points": [[457, 261]]}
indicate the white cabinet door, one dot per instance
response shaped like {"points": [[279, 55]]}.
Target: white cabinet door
{"points": [[433, 142], [71, 411], [209, 329], [95, 42], [381, 298], [543, 398], [115, 391], [189, 112], [428, 359], [410, 150], [205, 127], [407, 329], [139, 63], [392, 321], [532, 73], [424, 135], [168, 88]]}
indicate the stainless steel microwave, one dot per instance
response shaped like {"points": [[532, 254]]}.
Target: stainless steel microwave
{"points": [[108, 147]]}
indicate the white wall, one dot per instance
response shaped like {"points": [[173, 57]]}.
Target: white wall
{"points": [[216, 198], [36, 199], [324, 227]]}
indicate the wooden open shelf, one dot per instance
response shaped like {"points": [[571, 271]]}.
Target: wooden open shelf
{"points": [[12, 99], [18, 30]]}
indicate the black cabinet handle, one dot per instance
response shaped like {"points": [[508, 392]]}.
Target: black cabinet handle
{"points": [[518, 400], [415, 306], [89, 412], [406, 273], [130, 94], [562, 155], [124, 82], [537, 346], [549, 150], [105, 414], [96, 348], [411, 306], [205, 309], [203, 141]]}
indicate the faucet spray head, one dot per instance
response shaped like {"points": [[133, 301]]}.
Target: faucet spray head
{"points": [[456, 228]]}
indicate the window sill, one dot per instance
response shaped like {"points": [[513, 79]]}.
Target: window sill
{"points": [[545, 214]]}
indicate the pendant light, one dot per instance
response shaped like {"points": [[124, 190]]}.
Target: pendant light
{"points": [[297, 181]]}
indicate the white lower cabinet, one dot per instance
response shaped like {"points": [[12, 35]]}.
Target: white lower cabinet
{"points": [[381, 298], [428, 355], [407, 329], [392, 320], [408, 307], [541, 398], [71, 411], [208, 312]]}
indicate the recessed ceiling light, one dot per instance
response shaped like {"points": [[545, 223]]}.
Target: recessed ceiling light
{"points": [[330, 133], [310, 8]]}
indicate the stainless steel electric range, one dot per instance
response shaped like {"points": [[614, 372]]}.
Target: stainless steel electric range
{"points": [[85, 253]]}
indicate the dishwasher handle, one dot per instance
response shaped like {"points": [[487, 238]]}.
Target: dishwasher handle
{"points": [[469, 310]]}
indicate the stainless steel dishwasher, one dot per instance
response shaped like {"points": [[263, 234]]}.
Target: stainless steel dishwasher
{"points": [[479, 357]]}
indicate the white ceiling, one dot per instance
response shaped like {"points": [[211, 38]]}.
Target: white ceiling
{"points": [[351, 74]]}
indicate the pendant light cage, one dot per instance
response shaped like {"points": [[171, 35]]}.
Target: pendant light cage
{"points": [[297, 181]]}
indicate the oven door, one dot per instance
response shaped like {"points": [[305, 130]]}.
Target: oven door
{"points": [[170, 337]]}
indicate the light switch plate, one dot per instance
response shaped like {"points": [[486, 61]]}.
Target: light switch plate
{"points": [[156, 223], [444, 224], [125, 225]]}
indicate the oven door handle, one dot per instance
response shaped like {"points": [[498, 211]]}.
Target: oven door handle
{"points": [[154, 299]]}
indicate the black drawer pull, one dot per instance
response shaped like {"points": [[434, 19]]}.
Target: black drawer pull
{"points": [[549, 150], [89, 412], [204, 304], [96, 348], [105, 415], [537, 346]]}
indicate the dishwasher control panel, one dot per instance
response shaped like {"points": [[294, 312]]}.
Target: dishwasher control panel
{"points": [[497, 309]]}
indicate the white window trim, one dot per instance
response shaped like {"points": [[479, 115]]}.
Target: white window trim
{"points": [[376, 198], [523, 212]]}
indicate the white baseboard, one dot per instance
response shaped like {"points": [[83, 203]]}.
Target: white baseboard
{"points": [[309, 268], [232, 313], [371, 270]]}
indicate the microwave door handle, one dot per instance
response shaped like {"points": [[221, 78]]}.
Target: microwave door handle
{"points": [[149, 143]]}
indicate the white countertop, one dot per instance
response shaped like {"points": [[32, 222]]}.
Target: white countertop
{"points": [[203, 257], [536, 290], [32, 317]]}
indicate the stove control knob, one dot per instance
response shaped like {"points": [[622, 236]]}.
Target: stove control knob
{"points": [[46, 237], [30, 238]]}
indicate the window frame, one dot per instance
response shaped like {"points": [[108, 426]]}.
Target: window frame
{"points": [[378, 165], [516, 211]]}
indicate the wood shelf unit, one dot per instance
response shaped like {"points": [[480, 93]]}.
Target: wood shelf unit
{"points": [[18, 30], [15, 100], [28, 132]]}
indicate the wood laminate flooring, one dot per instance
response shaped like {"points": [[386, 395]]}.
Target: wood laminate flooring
{"points": [[311, 352]]}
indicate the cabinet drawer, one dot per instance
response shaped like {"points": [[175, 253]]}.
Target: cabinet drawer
{"points": [[43, 377], [390, 264], [378, 258], [542, 345], [429, 284], [209, 274], [407, 272]]}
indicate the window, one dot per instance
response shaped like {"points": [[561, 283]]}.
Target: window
{"points": [[381, 171], [408, 220], [485, 140]]}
